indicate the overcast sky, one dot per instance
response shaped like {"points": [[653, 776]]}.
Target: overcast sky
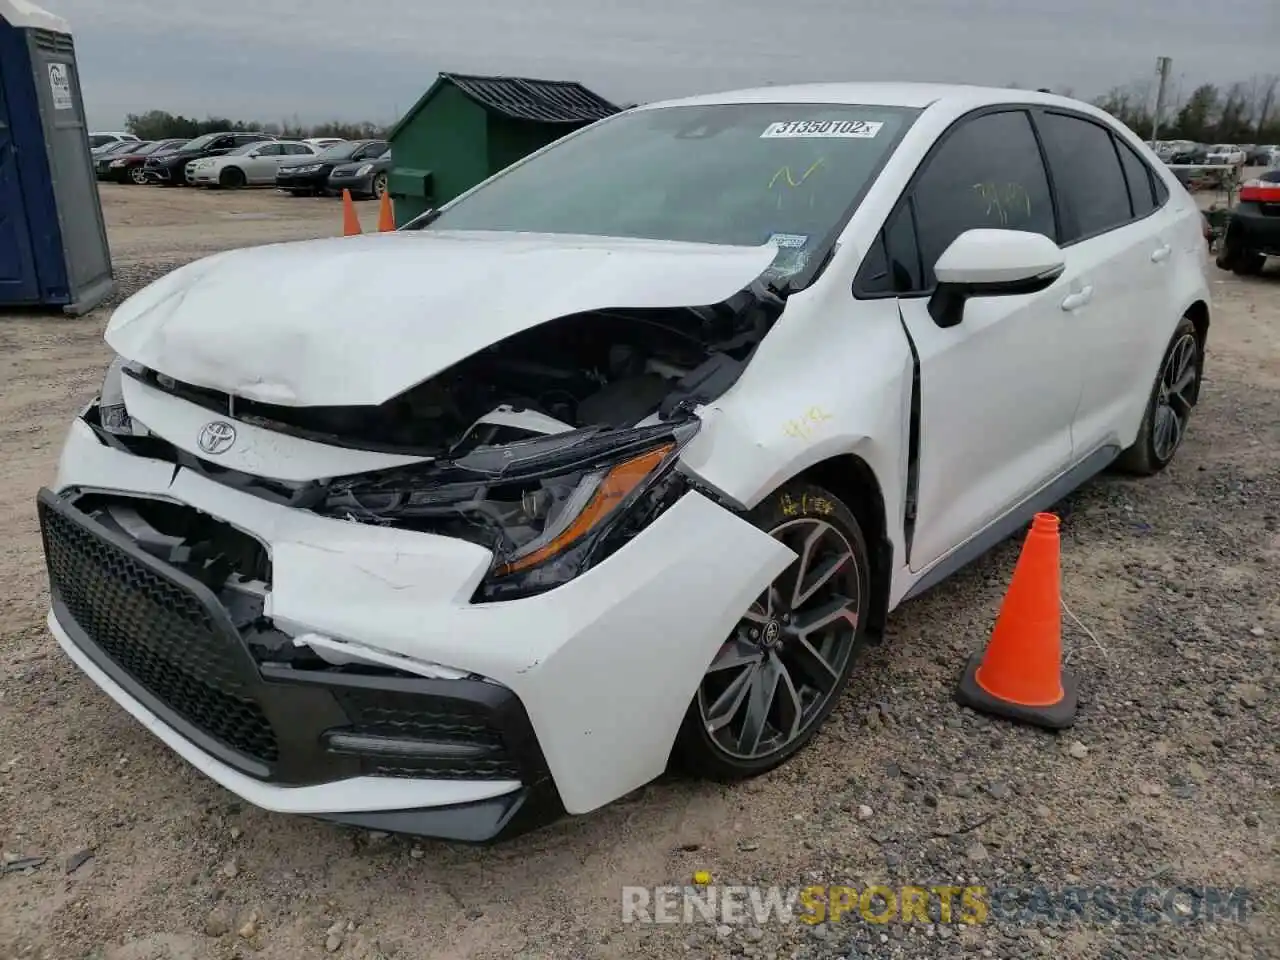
{"points": [[347, 59]]}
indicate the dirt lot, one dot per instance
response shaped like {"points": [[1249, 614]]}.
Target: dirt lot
{"points": [[1170, 776]]}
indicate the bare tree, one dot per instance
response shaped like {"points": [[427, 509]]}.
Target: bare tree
{"points": [[1265, 93]]}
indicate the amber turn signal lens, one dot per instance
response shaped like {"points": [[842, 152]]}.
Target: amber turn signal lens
{"points": [[617, 484]]}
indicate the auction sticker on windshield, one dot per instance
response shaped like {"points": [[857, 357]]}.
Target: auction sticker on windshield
{"points": [[791, 241], [848, 129]]}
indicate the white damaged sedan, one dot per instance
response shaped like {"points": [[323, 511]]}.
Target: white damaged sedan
{"points": [[619, 457]]}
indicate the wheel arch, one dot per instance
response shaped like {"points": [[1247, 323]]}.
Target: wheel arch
{"points": [[853, 480], [1198, 314]]}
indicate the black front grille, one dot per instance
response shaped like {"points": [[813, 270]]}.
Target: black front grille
{"points": [[158, 631], [171, 644]]}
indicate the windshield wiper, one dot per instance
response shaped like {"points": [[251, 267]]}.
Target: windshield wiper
{"points": [[423, 220]]}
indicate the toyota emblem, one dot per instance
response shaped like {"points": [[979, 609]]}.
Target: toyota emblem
{"points": [[216, 437]]}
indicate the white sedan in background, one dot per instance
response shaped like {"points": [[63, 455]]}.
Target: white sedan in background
{"points": [[253, 164], [632, 449]]}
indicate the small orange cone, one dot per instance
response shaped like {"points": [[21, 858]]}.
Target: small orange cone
{"points": [[350, 222], [1020, 675], [386, 218]]}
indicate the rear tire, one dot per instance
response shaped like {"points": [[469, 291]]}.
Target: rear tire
{"points": [[1173, 397], [1249, 264], [775, 680]]}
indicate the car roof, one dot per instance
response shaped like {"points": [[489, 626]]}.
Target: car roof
{"points": [[959, 97]]}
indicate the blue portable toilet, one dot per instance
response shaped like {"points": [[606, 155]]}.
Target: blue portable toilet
{"points": [[53, 241]]}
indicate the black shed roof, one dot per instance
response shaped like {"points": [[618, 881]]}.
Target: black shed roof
{"points": [[522, 98], [543, 101]]}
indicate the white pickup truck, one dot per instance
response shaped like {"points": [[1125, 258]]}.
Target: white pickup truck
{"points": [[1226, 153]]}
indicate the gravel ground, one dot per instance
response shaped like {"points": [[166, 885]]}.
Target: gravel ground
{"points": [[1169, 777]]}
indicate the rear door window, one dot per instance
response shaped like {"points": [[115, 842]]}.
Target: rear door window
{"points": [[1087, 173]]}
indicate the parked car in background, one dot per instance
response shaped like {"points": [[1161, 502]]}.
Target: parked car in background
{"points": [[102, 139], [110, 149], [364, 178], [305, 177], [102, 158], [170, 168], [324, 143], [1195, 153], [126, 166], [665, 467], [1253, 232], [252, 164], [1265, 155], [1226, 153]]}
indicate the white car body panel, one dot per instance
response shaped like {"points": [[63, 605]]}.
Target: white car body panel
{"points": [[192, 326], [1028, 392]]}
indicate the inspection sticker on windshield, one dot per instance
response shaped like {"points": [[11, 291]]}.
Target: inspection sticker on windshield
{"points": [[846, 129]]}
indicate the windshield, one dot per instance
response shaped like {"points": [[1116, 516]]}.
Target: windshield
{"points": [[744, 174], [342, 151], [149, 148], [244, 148]]}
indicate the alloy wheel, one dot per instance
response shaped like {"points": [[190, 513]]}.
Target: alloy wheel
{"points": [[772, 678], [1175, 397], [138, 176]]}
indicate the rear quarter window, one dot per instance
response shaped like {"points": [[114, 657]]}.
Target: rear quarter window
{"points": [[1142, 195]]}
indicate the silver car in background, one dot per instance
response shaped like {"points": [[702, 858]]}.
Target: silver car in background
{"points": [[254, 164]]}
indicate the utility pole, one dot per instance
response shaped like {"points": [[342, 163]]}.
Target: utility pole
{"points": [[1162, 70]]}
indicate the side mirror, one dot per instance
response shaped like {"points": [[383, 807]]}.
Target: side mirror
{"points": [[992, 263]]}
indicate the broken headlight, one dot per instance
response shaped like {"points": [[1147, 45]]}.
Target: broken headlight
{"points": [[113, 417], [548, 508]]}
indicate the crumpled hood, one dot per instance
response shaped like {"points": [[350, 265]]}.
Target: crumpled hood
{"points": [[358, 320]]}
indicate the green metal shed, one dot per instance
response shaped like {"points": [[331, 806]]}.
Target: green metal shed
{"points": [[466, 128]]}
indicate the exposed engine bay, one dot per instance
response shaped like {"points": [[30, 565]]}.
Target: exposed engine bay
{"points": [[550, 448], [607, 368]]}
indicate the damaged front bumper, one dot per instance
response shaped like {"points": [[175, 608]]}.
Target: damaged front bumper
{"points": [[503, 713]]}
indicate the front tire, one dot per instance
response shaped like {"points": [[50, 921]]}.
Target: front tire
{"points": [[231, 177], [379, 186], [779, 675], [138, 176], [1174, 395]]}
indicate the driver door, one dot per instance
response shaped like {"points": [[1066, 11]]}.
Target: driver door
{"points": [[999, 390]]}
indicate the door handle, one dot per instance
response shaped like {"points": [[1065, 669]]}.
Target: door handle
{"points": [[1162, 254], [1075, 301]]}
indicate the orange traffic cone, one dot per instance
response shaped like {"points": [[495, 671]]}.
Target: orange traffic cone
{"points": [[386, 218], [350, 222], [1020, 675]]}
